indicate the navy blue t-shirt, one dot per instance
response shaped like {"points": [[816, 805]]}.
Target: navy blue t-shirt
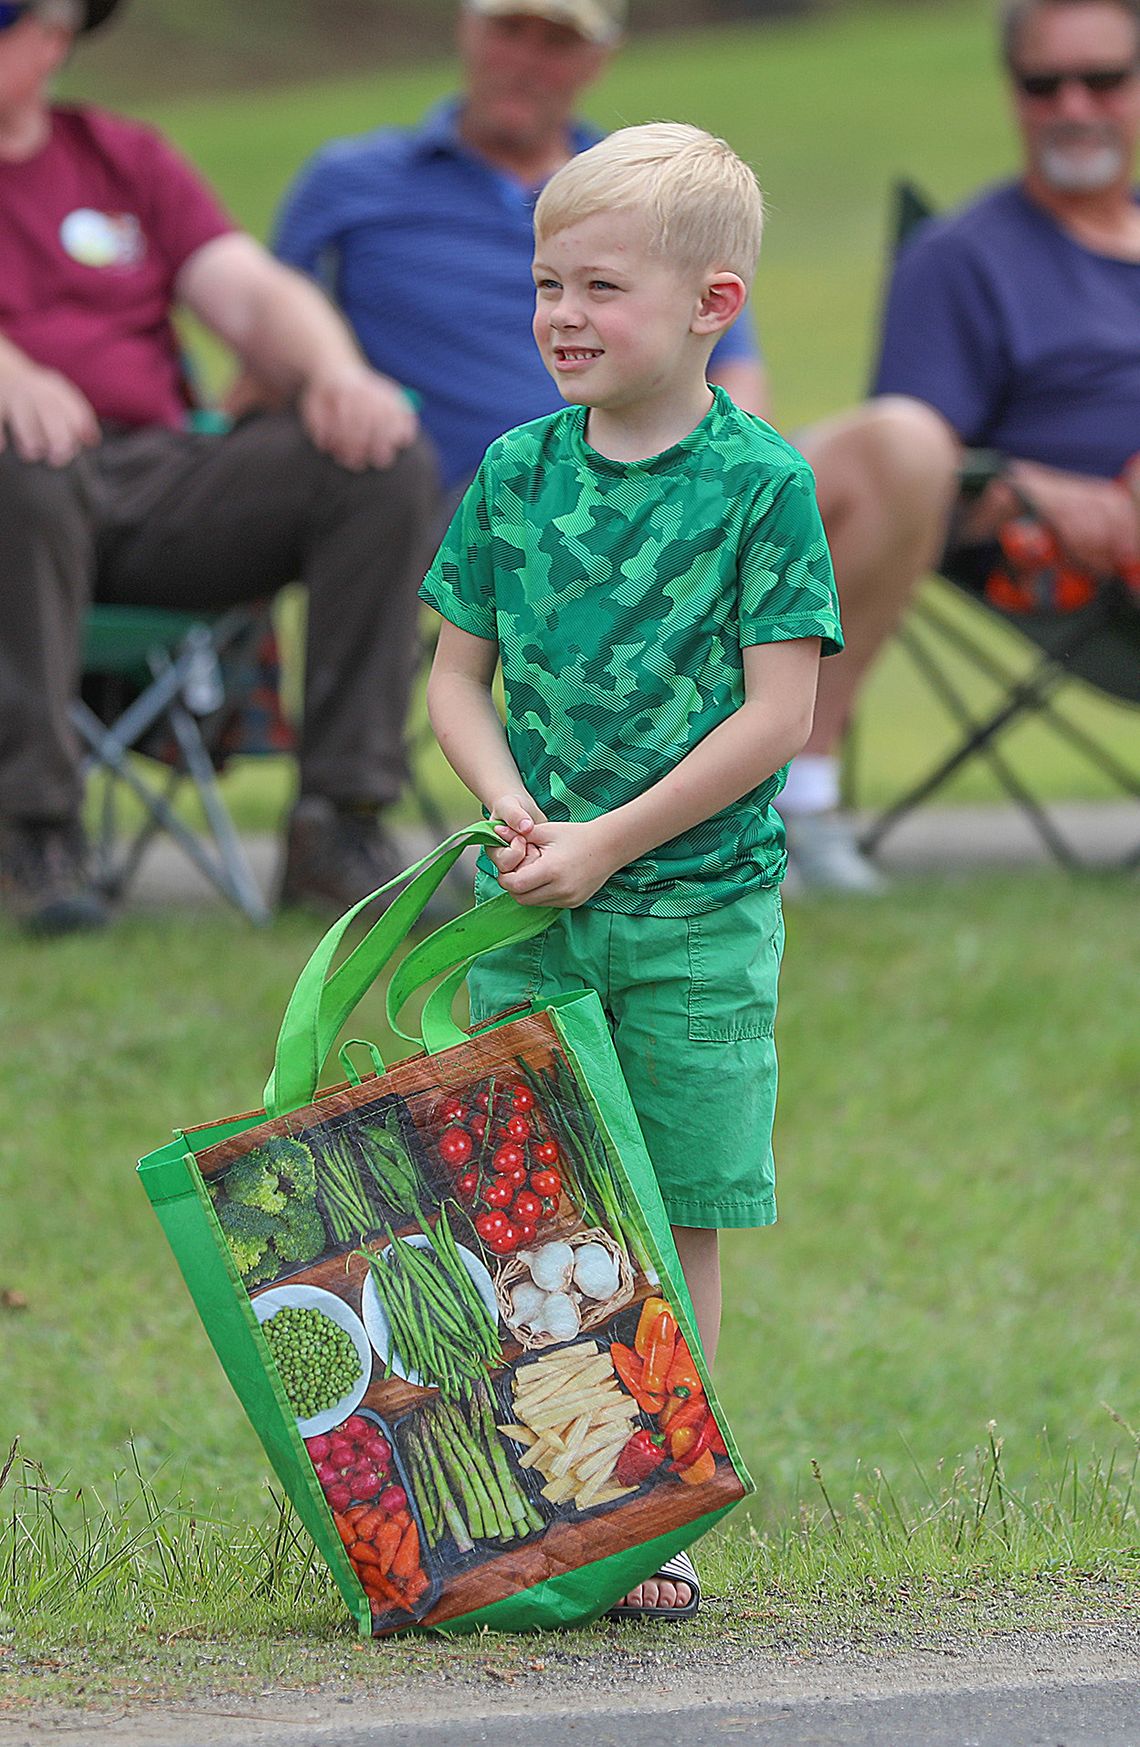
{"points": [[427, 249], [1023, 339]]}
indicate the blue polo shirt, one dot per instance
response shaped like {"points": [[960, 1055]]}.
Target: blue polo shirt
{"points": [[1023, 339], [427, 250]]}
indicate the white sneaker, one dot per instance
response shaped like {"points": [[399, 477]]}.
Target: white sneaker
{"points": [[825, 855]]}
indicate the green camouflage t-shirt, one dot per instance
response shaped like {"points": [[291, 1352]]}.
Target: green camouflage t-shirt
{"points": [[620, 595]]}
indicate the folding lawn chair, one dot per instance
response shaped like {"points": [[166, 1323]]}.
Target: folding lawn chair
{"points": [[1096, 640], [182, 692]]}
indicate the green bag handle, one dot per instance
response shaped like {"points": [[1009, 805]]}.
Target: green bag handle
{"points": [[322, 1000], [454, 948]]}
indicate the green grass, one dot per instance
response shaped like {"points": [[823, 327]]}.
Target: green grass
{"points": [[956, 1144]]}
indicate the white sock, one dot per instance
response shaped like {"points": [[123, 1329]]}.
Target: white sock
{"points": [[812, 785]]}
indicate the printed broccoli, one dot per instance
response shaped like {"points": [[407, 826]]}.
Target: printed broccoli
{"points": [[301, 1233], [252, 1182], [248, 1254], [293, 1163], [250, 1224]]}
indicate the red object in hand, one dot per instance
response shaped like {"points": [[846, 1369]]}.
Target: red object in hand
{"points": [[641, 1456]]}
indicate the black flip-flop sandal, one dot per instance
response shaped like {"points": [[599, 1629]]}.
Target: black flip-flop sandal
{"points": [[678, 1569]]}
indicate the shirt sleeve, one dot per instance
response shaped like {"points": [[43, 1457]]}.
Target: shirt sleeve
{"points": [[942, 335], [787, 586], [304, 229], [461, 582], [184, 212]]}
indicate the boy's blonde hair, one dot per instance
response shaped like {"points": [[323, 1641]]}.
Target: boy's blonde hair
{"points": [[703, 203]]}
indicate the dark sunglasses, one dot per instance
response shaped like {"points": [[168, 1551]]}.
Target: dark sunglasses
{"points": [[1097, 81], [11, 14]]}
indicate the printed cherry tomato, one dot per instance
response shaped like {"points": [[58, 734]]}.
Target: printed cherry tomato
{"points": [[455, 1146], [490, 1226], [522, 1098], [451, 1110], [499, 1193], [517, 1179], [467, 1185], [526, 1229], [548, 1184], [528, 1207], [478, 1124], [483, 1100], [517, 1128], [506, 1240], [545, 1153], [507, 1157]]}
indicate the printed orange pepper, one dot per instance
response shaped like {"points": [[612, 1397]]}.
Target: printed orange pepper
{"points": [[682, 1377], [659, 1353], [696, 1473], [631, 1370], [650, 1311], [690, 1416]]}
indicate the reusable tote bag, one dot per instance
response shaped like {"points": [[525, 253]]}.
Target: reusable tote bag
{"points": [[447, 1296]]}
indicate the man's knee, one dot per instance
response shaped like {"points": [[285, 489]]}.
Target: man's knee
{"points": [[894, 451], [34, 496]]}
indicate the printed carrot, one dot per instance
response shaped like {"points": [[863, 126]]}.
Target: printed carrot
{"points": [[387, 1543], [408, 1555], [364, 1553], [344, 1529]]}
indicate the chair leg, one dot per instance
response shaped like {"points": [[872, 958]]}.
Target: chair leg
{"points": [[108, 750], [1031, 695]]}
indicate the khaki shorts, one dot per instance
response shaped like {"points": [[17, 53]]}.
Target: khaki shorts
{"points": [[691, 1003]]}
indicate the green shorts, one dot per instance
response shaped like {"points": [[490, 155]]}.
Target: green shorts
{"points": [[691, 1003]]}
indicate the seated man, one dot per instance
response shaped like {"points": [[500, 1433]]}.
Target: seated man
{"points": [[1012, 325], [104, 494], [425, 240]]}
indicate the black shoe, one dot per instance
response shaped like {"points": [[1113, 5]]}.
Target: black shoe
{"points": [[44, 883], [334, 856]]}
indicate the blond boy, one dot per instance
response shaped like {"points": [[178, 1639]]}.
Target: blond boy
{"points": [[649, 568]]}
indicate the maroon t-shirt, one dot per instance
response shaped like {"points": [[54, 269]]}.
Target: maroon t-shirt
{"points": [[93, 232]]}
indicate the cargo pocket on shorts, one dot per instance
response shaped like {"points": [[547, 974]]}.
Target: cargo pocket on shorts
{"points": [[734, 969]]}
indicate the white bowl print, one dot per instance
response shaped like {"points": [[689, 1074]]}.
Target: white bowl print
{"points": [[314, 1298], [376, 1319]]}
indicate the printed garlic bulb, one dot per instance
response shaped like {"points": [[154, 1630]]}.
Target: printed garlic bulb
{"points": [[559, 1318], [527, 1301], [595, 1271], [551, 1266]]}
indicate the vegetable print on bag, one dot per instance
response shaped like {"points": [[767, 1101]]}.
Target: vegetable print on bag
{"points": [[465, 1340]]}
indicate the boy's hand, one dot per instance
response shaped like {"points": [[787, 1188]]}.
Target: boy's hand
{"points": [[564, 864], [514, 818]]}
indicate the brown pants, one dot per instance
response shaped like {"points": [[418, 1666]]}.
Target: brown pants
{"points": [[187, 520]]}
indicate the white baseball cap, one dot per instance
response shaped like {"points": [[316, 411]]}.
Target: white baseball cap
{"points": [[599, 21]]}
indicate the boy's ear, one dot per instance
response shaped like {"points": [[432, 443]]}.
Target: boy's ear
{"points": [[721, 301]]}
